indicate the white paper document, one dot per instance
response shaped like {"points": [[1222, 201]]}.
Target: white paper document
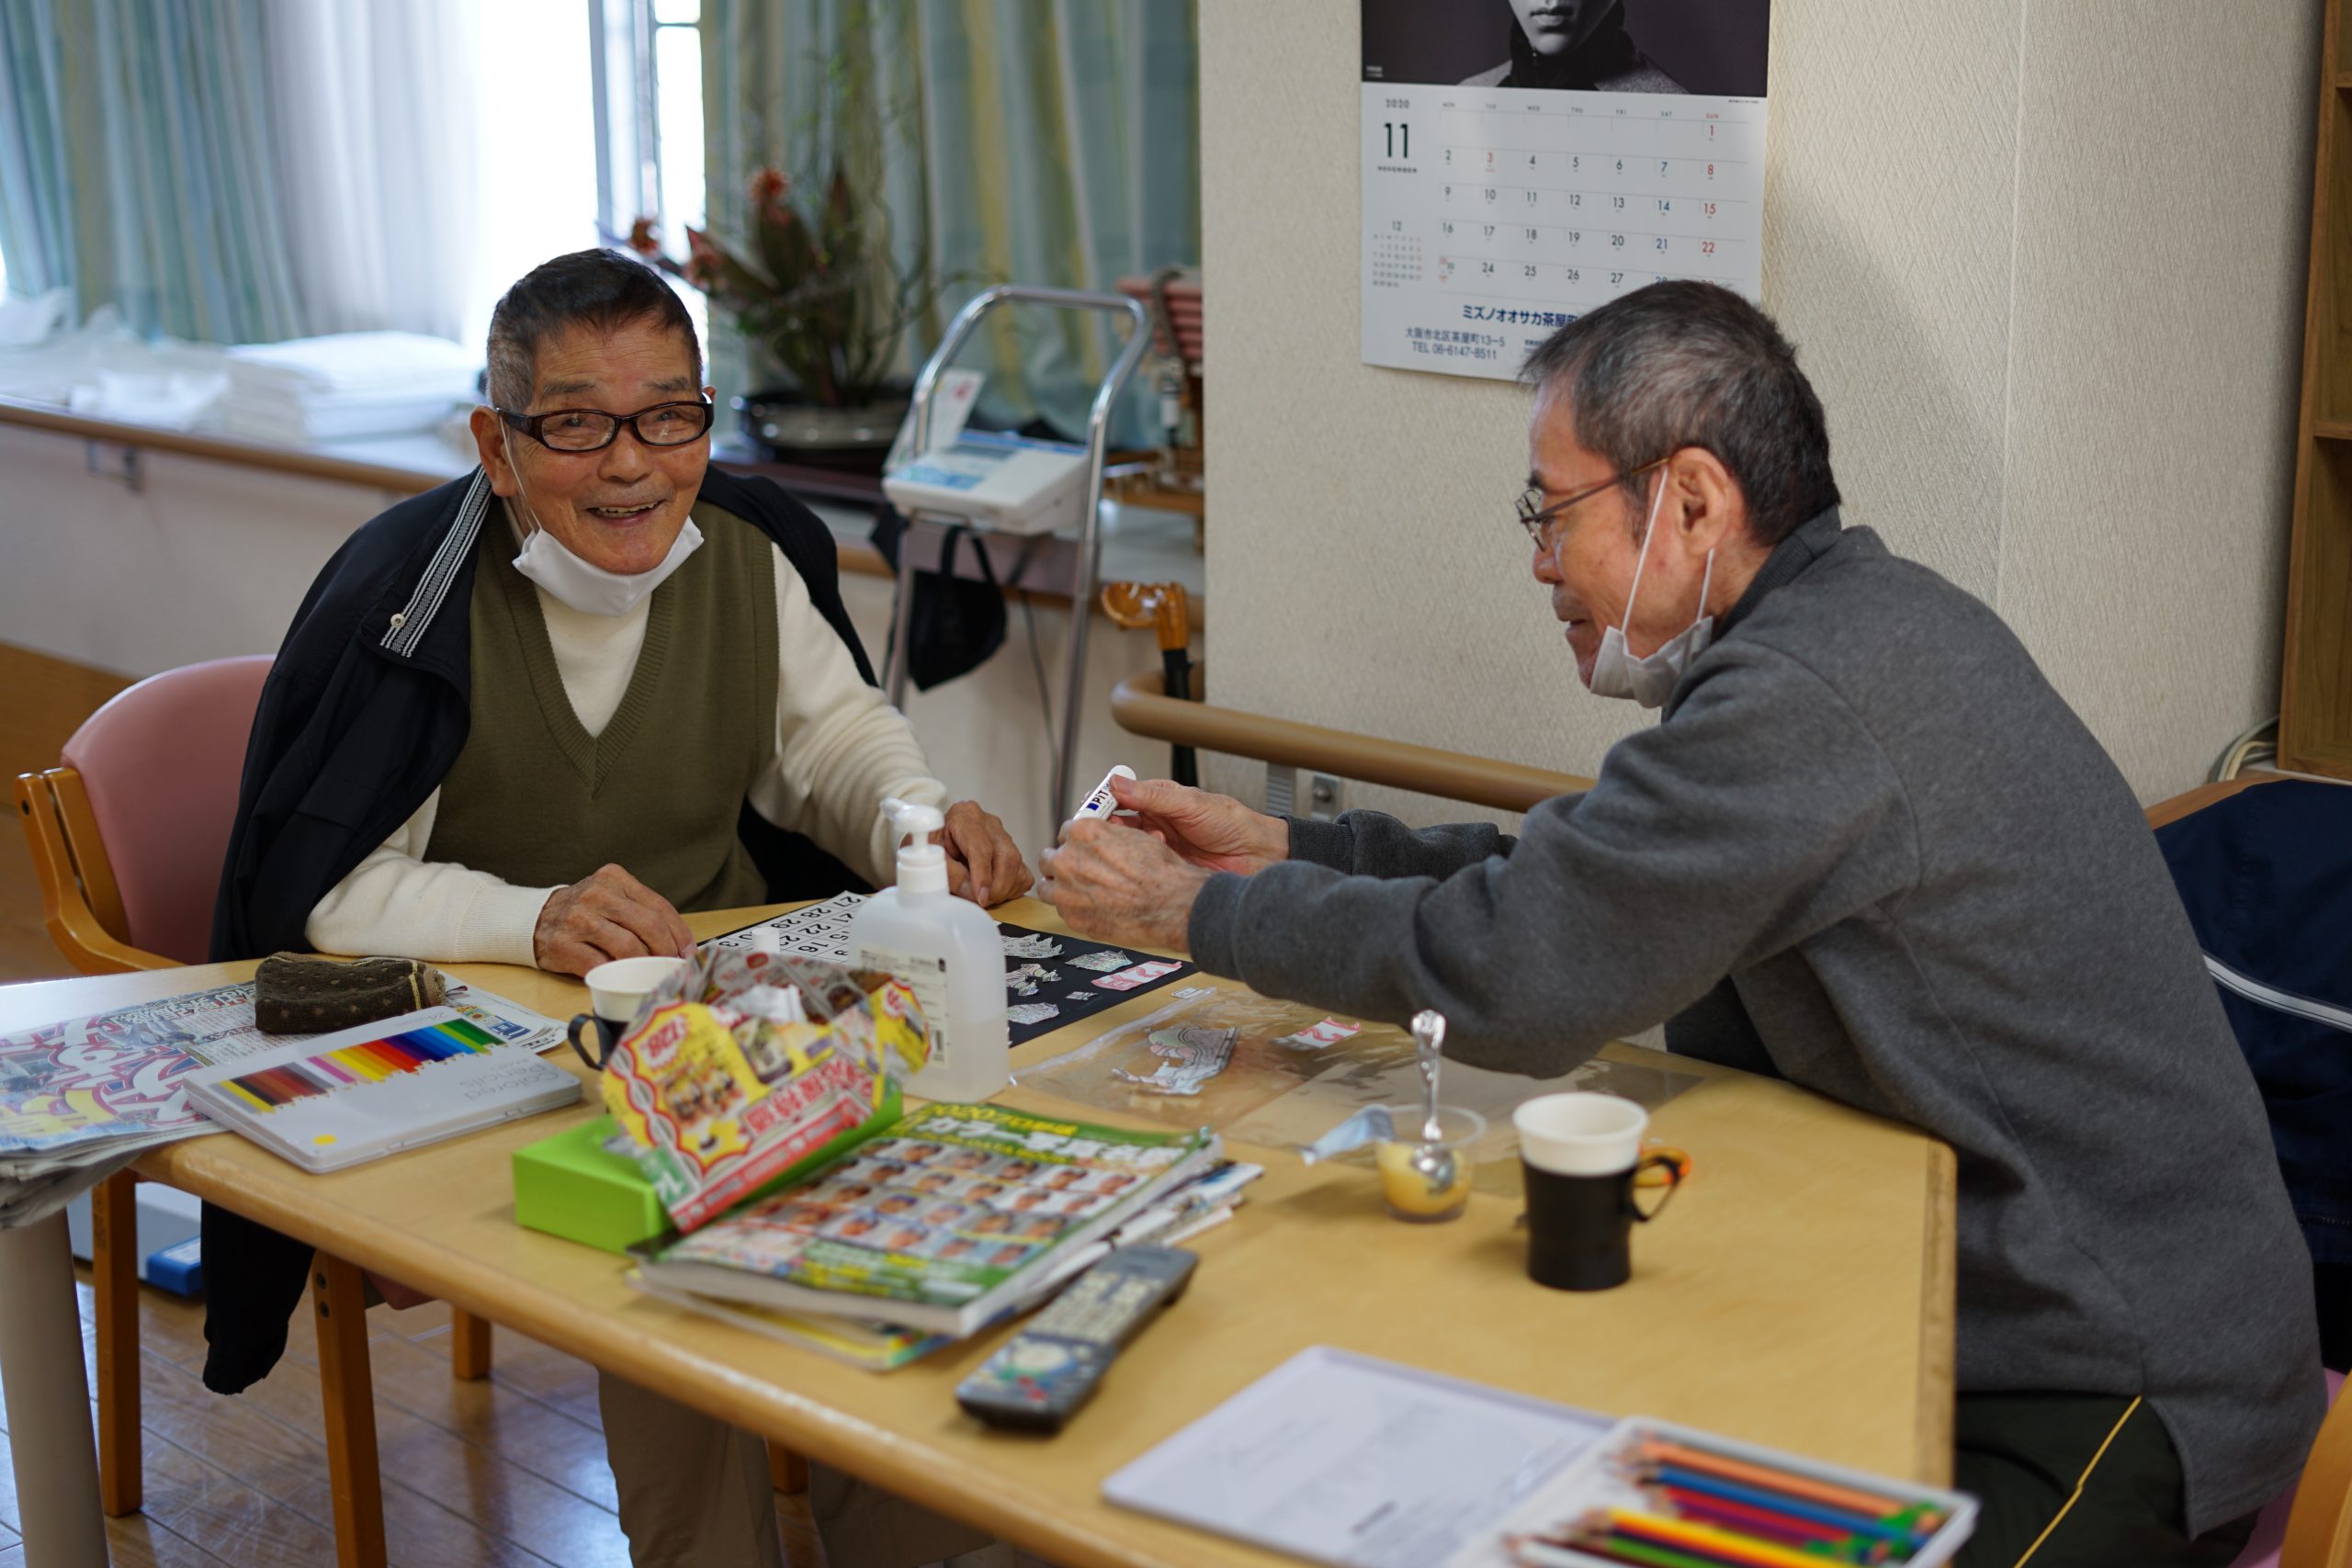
{"points": [[1358, 1463]]}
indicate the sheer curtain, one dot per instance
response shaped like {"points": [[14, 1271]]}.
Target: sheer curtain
{"points": [[36, 230], [135, 164], [1051, 141], [378, 147]]}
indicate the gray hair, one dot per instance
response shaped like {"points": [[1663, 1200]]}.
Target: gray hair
{"points": [[597, 288], [1682, 364]]}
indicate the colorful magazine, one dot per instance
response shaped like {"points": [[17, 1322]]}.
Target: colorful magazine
{"points": [[938, 1224], [746, 1065]]}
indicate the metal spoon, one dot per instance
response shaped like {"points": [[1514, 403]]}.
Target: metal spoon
{"points": [[1435, 1165]]}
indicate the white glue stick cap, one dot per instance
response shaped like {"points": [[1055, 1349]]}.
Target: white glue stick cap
{"points": [[922, 865], [1099, 803]]}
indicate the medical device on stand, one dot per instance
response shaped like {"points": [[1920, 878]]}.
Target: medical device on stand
{"points": [[1006, 484]]}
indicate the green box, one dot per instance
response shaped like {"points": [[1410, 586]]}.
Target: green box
{"points": [[571, 1186]]}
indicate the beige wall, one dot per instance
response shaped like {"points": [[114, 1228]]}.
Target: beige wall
{"points": [[2043, 259]]}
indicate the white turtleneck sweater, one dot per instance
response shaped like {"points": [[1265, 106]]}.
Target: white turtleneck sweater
{"points": [[840, 748]]}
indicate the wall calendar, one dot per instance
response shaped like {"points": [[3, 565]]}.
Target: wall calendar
{"points": [[1582, 161]]}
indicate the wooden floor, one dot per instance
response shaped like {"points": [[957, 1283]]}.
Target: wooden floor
{"points": [[508, 1471]]}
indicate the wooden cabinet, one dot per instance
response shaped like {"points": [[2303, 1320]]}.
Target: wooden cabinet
{"points": [[2315, 699]]}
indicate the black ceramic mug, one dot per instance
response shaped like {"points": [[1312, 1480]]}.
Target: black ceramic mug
{"points": [[1581, 1156]]}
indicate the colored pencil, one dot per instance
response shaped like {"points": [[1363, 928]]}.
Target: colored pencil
{"points": [[1684, 1534], [1612, 1548], [1792, 1533], [1836, 1521], [1875, 1506]]}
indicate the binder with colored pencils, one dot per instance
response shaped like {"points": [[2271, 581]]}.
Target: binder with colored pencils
{"points": [[337, 1100], [1660, 1496]]}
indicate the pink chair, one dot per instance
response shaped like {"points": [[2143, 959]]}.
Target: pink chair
{"points": [[129, 835], [2310, 1527], [128, 838]]}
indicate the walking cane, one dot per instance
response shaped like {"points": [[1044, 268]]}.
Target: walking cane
{"points": [[1165, 607]]}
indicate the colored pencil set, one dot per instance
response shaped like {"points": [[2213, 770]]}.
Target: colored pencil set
{"points": [[371, 1061], [1709, 1509]]}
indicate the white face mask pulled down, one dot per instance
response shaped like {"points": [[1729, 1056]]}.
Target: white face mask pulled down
{"points": [[1650, 680], [585, 586]]}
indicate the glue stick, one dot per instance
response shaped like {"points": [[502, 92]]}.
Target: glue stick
{"points": [[1099, 803]]}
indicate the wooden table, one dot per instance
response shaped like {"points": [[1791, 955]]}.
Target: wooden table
{"points": [[1799, 1292]]}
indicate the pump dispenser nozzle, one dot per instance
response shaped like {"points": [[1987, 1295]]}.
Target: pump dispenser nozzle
{"points": [[922, 865]]}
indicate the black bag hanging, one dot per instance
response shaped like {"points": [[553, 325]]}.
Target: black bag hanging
{"points": [[956, 623]]}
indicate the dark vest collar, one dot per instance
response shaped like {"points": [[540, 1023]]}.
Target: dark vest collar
{"points": [[1790, 559]]}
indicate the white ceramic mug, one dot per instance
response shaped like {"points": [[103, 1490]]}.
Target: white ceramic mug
{"points": [[616, 991], [1580, 1134]]}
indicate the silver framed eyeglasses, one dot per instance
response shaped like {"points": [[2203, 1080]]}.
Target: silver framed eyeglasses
{"points": [[1534, 515], [592, 430]]}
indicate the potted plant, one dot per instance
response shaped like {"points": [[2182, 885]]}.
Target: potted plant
{"points": [[819, 287]]}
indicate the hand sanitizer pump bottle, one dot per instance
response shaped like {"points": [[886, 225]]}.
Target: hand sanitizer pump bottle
{"points": [[949, 954]]}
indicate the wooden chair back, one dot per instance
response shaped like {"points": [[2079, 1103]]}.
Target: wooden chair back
{"points": [[81, 904]]}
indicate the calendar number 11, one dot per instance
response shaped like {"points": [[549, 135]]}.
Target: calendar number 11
{"points": [[1400, 138]]}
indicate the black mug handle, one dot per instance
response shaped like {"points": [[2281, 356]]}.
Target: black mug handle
{"points": [[571, 1035], [1674, 1162]]}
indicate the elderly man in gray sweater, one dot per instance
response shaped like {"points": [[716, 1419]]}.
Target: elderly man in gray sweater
{"points": [[1869, 849]]}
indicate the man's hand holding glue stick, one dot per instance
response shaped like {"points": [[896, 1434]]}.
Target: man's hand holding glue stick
{"points": [[1132, 877], [1099, 803]]}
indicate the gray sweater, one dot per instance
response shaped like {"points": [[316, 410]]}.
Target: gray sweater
{"points": [[1870, 850]]}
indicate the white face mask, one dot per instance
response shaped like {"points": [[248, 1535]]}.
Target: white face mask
{"points": [[1650, 680], [585, 586]]}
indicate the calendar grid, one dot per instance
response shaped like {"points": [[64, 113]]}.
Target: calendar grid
{"points": [[1526, 209]]}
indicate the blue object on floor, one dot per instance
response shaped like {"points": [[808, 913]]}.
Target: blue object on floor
{"points": [[179, 1269]]}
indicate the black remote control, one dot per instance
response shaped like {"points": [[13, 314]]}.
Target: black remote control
{"points": [[1038, 1379]]}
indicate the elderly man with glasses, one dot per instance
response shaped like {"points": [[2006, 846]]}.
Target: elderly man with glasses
{"points": [[1869, 850], [530, 717]]}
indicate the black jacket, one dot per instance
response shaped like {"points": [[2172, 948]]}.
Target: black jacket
{"points": [[362, 717]]}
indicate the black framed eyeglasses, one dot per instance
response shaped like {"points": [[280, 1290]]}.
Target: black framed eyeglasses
{"points": [[1534, 515], [592, 430]]}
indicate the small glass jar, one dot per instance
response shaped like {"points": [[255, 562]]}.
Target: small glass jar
{"points": [[1411, 1195]]}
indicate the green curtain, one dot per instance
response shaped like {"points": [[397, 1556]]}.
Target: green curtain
{"points": [[36, 230], [1047, 142], [142, 127]]}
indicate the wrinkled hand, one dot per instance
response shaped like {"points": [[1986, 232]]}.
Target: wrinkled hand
{"points": [[1214, 831], [609, 914], [1114, 883], [983, 863]]}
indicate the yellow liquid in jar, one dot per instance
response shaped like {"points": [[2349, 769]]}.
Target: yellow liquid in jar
{"points": [[1408, 1191]]}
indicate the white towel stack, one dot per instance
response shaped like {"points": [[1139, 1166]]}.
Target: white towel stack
{"points": [[343, 386]]}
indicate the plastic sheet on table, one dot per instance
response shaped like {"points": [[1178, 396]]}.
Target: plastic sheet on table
{"points": [[1283, 1085]]}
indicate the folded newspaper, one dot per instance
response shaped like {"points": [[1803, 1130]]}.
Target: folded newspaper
{"points": [[941, 1222], [79, 1100]]}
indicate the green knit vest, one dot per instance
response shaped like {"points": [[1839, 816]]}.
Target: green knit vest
{"points": [[537, 800]]}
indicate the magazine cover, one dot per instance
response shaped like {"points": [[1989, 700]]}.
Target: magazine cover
{"points": [[947, 1211], [749, 1063]]}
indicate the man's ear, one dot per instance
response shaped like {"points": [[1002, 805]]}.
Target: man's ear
{"points": [[1708, 503], [490, 445]]}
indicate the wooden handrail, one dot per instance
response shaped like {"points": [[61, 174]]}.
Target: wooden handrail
{"points": [[1141, 706]]}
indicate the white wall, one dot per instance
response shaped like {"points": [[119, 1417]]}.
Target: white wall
{"points": [[2045, 260]]}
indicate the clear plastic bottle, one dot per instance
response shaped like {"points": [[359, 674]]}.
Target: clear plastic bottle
{"points": [[950, 954]]}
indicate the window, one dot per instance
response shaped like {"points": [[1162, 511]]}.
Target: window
{"points": [[646, 60]]}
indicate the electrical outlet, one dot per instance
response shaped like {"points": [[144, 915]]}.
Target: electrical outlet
{"points": [[1282, 790], [1325, 798]]}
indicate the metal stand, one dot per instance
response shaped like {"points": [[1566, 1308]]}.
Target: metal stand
{"points": [[1086, 566]]}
